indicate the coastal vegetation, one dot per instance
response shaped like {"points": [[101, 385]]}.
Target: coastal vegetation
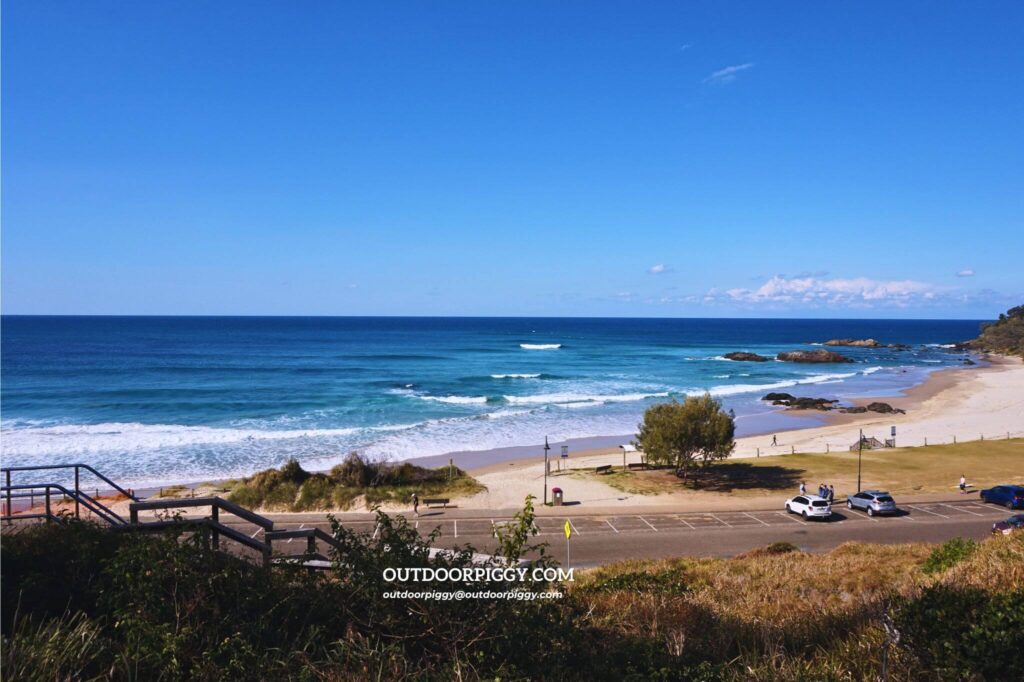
{"points": [[695, 431], [292, 488], [1005, 335], [81, 602]]}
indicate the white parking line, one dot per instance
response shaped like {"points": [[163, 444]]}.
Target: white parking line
{"points": [[456, 522], [963, 510], [573, 526], [908, 517], [258, 531], [376, 530], [688, 524], [982, 506], [791, 517], [727, 525], [756, 519], [648, 523], [927, 511], [300, 528], [610, 524]]}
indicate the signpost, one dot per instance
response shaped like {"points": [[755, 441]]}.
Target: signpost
{"points": [[568, 534], [893, 435], [546, 467]]}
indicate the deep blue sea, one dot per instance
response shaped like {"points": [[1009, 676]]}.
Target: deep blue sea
{"points": [[159, 399]]}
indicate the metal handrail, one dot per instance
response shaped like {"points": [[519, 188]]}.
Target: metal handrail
{"points": [[217, 529], [215, 502], [101, 510], [7, 471]]}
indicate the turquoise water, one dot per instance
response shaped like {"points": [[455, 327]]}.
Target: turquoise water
{"points": [[151, 399]]}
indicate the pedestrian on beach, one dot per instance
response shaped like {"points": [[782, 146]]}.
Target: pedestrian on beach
{"points": [[775, 440], [963, 484], [831, 493], [803, 487], [415, 504]]}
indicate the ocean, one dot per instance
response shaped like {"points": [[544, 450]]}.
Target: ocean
{"points": [[151, 400]]}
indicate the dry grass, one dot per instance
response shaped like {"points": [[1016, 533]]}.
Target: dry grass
{"points": [[931, 469]]}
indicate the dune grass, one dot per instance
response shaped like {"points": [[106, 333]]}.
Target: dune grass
{"points": [[292, 488], [913, 470]]}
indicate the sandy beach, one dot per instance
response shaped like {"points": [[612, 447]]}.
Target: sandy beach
{"points": [[965, 404]]}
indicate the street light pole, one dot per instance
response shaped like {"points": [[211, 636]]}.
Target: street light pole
{"points": [[860, 451], [546, 448]]}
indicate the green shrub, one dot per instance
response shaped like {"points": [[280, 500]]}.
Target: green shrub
{"points": [[965, 634], [948, 554]]}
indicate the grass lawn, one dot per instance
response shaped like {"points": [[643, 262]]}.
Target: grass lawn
{"points": [[931, 469]]}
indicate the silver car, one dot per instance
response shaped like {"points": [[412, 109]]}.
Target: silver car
{"points": [[873, 502]]}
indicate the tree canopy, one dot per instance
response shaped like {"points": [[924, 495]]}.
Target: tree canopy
{"points": [[682, 434]]}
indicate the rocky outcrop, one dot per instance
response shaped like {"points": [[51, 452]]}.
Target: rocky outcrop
{"points": [[824, 404], [881, 408], [743, 356], [819, 355], [858, 343], [865, 343], [795, 403]]}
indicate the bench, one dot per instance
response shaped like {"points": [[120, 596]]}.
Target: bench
{"points": [[606, 469], [633, 466], [431, 501]]}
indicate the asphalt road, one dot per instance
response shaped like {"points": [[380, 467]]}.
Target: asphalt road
{"points": [[603, 538]]}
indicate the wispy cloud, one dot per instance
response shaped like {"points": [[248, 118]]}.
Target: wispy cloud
{"points": [[658, 269], [728, 74], [817, 292], [965, 273]]}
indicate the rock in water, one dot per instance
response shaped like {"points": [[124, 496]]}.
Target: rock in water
{"points": [[746, 357], [779, 396], [819, 355], [859, 343]]}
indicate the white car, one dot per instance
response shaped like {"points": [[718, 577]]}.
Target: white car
{"points": [[809, 506]]}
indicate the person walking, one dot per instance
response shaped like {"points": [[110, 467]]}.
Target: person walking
{"points": [[415, 504], [803, 487], [775, 440], [831, 493]]}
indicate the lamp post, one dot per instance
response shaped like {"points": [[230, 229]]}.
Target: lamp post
{"points": [[546, 449], [860, 451]]}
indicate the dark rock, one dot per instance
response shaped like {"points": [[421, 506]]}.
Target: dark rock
{"points": [[779, 396], [746, 357], [884, 408], [812, 404], [819, 355], [968, 361], [860, 409]]}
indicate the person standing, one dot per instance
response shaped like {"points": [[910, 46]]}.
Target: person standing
{"points": [[803, 487], [831, 493], [415, 504], [963, 484]]}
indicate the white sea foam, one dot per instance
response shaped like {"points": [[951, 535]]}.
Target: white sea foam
{"points": [[515, 376], [736, 389], [871, 370], [540, 346], [564, 398], [455, 399]]}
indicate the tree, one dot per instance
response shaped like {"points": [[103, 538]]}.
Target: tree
{"points": [[680, 434]]}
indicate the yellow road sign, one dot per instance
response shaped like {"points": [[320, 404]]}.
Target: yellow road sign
{"points": [[568, 529]]}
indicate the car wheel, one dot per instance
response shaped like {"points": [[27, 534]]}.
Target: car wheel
{"points": [[804, 514], [1009, 505], [789, 510], [849, 505], [871, 512]]}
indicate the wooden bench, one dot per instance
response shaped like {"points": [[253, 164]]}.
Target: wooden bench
{"points": [[606, 469], [431, 501], [633, 466]]}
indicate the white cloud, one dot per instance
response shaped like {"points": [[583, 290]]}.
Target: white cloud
{"points": [[817, 291], [965, 273], [658, 269], [728, 74]]}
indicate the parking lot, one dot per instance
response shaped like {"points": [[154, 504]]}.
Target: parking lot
{"points": [[455, 526]]}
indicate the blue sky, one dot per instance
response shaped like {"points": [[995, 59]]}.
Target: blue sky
{"points": [[513, 158]]}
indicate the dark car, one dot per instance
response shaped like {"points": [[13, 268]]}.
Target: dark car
{"points": [[1015, 522], [1010, 496]]}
